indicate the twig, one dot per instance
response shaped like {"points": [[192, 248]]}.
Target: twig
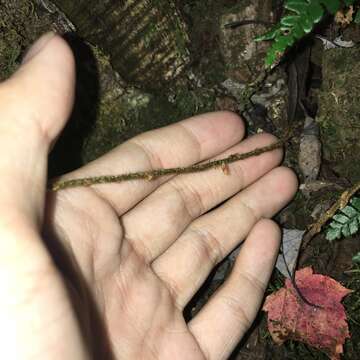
{"points": [[327, 215], [154, 174]]}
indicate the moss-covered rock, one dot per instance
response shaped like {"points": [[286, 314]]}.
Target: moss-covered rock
{"points": [[243, 57], [19, 27], [339, 112]]}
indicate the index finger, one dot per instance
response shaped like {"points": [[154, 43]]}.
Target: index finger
{"points": [[182, 144]]}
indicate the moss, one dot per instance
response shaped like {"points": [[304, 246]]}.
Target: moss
{"points": [[340, 111], [203, 22], [136, 112], [19, 27], [243, 56]]}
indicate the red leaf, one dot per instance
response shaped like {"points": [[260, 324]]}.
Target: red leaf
{"points": [[289, 317]]}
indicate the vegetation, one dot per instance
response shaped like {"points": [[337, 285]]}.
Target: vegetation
{"points": [[300, 19]]}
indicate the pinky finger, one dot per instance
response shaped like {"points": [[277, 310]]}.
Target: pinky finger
{"points": [[230, 312]]}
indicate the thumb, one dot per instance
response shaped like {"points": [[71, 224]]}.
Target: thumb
{"points": [[34, 105]]}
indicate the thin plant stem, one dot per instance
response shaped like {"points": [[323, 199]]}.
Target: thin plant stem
{"points": [[340, 203], [154, 174]]}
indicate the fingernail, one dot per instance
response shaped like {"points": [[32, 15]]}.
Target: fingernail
{"points": [[39, 45]]}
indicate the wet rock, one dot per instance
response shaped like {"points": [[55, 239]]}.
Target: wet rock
{"points": [[310, 151], [244, 58], [269, 110]]}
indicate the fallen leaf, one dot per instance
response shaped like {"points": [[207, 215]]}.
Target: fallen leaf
{"points": [[291, 242], [323, 327]]}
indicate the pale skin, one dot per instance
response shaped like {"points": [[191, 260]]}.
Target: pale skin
{"points": [[106, 271]]}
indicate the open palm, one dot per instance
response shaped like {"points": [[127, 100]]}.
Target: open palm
{"points": [[106, 271]]}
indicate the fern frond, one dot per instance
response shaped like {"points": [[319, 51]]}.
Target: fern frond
{"points": [[300, 20], [356, 258], [357, 17], [345, 222]]}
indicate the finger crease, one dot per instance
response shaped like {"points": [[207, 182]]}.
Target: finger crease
{"points": [[258, 285], [152, 157], [196, 141], [208, 246], [237, 310], [191, 200], [251, 212]]}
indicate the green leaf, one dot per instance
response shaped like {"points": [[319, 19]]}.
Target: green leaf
{"points": [[298, 32], [357, 17], [306, 24], [342, 219], [290, 20], [296, 6], [354, 226], [282, 42], [300, 20], [272, 57], [315, 12], [333, 234], [356, 258], [332, 6], [271, 34], [335, 225], [345, 230], [349, 211], [349, 2], [355, 202], [345, 222]]}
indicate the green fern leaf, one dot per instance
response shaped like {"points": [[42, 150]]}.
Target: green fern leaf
{"points": [[356, 258], [300, 20], [306, 23], [315, 12], [349, 211], [357, 18], [290, 20], [349, 2], [298, 32], [355, 202], [340, 218], [282, 42], [345, 222], [354, 226], [333, 234], [332, 6], [299, 7], [272, 57], [270, 35]]}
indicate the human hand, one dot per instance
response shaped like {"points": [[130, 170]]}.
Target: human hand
{"points": [[106, 271]]}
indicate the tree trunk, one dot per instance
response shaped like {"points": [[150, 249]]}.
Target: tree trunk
{"points": [[146, 39]]}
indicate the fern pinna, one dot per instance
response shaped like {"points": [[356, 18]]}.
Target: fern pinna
{"points": [[300, 19], [346, 222]]}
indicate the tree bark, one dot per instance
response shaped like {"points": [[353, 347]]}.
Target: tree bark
{"points": [[146, 39]]}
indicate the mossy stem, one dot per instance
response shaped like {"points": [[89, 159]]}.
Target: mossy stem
{"points": [[154, 174]]}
